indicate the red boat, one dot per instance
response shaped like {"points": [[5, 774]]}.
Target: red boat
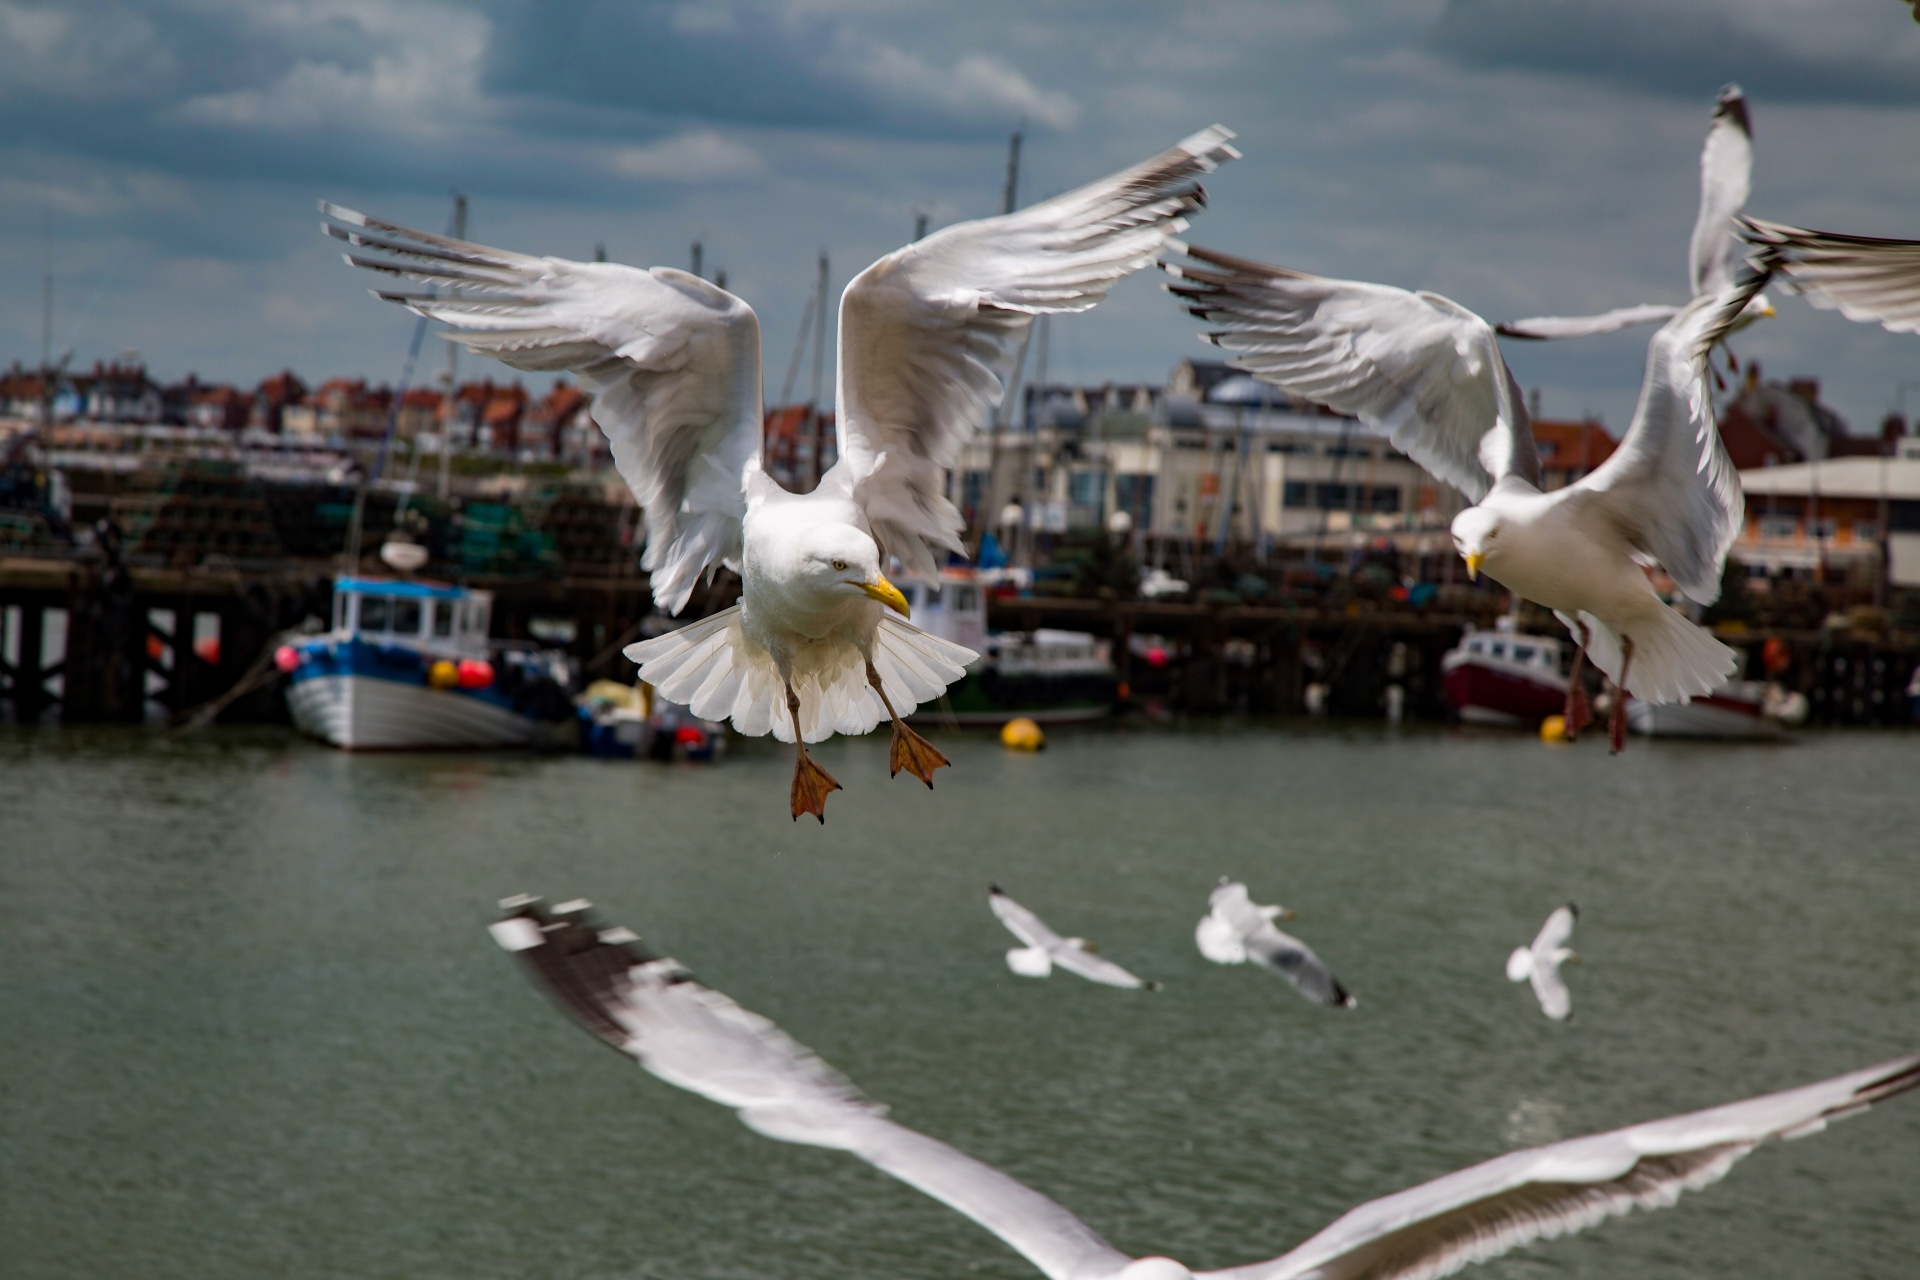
{"points": [[1500, 677]]}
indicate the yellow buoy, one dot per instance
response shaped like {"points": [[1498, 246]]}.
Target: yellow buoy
{"points": [[1022, 735], [443, 674], [1553, 729]]}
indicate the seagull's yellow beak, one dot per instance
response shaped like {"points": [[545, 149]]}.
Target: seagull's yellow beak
{"points": [[1474, 560], [886, 593], [1288, 914]]}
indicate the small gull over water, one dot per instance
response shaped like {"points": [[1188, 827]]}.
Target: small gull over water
{"points": [[1236, 930], [1045, 949], [1540, 963]]}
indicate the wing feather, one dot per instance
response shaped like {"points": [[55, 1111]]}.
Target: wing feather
{"points": [[699, 1040], [1020, 922], [1726, 179], [1416, 367], [1670, 487], [1586, 326], [672, 361], [1491, 1208], [1864, 278], [928, 333]]}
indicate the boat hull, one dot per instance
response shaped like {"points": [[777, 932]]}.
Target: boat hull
{"points": [[1713, 716], [370, 713], [986, 697], [1485, 693]]}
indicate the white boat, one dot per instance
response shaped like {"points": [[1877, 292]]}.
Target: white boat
{"points": [[408, 665], [1750, 710], [1049, 676]]}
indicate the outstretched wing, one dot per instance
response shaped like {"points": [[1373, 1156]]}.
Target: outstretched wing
{"points": [[1866, 279], [1418, 368], [1484, 1211], [1078, 959], [1670, 487], [1020, 922], [1726, 179], [928, 333], [1550, 989], [673, 363], [1559, 927], [1295, 961], [1586, 326], [693, 1037]]}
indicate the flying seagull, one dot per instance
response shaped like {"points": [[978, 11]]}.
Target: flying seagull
{"points": [[697, 1039], [1046, 949], [1864, 278], [1540, 963], [1714, 253], [1427, 373], [1236, 930], [927, 335]]}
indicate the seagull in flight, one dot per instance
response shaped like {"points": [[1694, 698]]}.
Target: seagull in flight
{"points": [[1046, 949], [1427, 373], [1713, 255], [927, 337], [1540, 963], [697, 1039], [1236, 930]]}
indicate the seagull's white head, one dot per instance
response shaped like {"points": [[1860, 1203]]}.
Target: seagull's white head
{"points": [[1155, 1269], [1476, 536], [839, 561]]}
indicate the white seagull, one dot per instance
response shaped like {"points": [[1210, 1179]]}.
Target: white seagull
{"points": [[1714, 253], [1540, 963], [699, 1040], [927, 335], [1427, 373], [1236, 929], [1046, 949]]}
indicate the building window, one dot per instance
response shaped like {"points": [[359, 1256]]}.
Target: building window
{"points": [[1133, 494], [1824, 527], [1778, 526], [1866, 531]]}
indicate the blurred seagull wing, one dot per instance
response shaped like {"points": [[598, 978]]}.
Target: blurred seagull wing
{"points": [[1484, 1211], [1295, 961], [1094, 968], [929, 332], [1022, 923], [1726, 179], [1416, 367], [1586, 326], [701, 1041], [1869, 280], [673, 363], [1556, 931]]}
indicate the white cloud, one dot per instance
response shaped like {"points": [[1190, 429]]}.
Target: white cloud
{"points": [[977, 87], [699, 156]]}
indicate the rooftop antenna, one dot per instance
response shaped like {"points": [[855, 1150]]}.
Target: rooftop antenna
{"points": [[599, 250], [720, 277], [699, 252], [817, 417], [919, 225], [1013, 174]]}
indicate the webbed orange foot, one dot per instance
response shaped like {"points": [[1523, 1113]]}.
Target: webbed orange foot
{"points": [[811, 787], [915, 754]]}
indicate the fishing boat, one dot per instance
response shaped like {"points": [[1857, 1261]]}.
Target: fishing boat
{"points": [[1048, 676], [1750, 710], [632, 722], [408, 664], [1504, 677]]}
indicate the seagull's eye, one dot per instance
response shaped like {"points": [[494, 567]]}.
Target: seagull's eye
{"points": [[840, 565]]}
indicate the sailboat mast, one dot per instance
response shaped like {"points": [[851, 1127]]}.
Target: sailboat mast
{"points": [[816, 416]]}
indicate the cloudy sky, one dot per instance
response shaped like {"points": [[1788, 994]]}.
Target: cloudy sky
{"points": [[1519, 156]]}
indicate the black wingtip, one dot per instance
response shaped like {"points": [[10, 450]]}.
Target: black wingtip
{"points": [[995, 890], [571, 958], [1732, 105], [1508, 331], [1575, 908]]}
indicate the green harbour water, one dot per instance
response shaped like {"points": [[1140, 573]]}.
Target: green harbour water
{"points": [[252, 1025]]}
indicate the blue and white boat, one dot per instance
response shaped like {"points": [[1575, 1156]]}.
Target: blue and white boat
{"points": [[408, 665]]}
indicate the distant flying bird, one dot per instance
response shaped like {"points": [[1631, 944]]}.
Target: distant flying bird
{"points": [[1864, 278], [697, 1039], [1714, 253], [1540, 963], [927, 336], [1046, 949], [1427, 373], [1236, 930]]}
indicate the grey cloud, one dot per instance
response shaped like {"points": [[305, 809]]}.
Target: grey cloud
{"points": [[1688, 49]]}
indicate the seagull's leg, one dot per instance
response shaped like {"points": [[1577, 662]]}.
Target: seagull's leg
{"points": [[811, 784], [1617, 722], [1578, 712], [909, 750]]}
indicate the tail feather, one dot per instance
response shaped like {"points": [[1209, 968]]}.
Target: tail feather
{"points": [[713, 668], [1673, 659]]}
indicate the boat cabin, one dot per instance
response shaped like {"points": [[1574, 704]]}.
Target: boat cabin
{"points": [[1542, 652], [412, 613], [954, 608]]}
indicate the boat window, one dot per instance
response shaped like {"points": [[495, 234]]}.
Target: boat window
{"points": [[1523, 653], [966, 599], [373, 613], [1498, 649], [406, 617], [442, 617], [477, 619], [930, 596], [340, 601]]}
